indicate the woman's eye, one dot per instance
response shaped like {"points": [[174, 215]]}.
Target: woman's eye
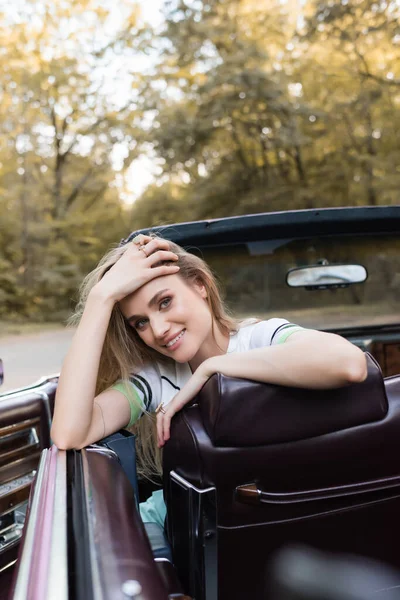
{"points": [[140, 324], [165, 303]]}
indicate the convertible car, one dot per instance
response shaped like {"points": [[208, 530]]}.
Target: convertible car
{"points": [[256, 476]]}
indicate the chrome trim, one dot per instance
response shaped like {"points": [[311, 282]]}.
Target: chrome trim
{"points": [[162, 559], [10, 488], [102, 450], [46, 379], [20, 426], [57, 583], [188, 485], [11, 564], [96, 579], [21, 587], [210, 547], [30, 388], [195, 528], [19, 444], [46, 399], [12, 535], [35, 436], [16, 483], [44, 528]]}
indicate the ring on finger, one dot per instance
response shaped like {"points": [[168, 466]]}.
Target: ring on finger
{"points": [[160, 408], [142, 248]]}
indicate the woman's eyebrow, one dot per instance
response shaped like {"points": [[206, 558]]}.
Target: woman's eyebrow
{"points": [[153, 301], [156, 297]]}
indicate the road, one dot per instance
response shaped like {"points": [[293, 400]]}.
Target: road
{"points": [[28, 357]]}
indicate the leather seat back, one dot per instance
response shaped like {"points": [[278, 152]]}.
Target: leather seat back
{"points": [[314, 467], [233, 410]]}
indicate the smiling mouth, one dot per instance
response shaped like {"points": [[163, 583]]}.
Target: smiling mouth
{"points": [[172, 342]]}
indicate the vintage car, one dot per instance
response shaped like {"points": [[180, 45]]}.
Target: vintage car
{"points": [[250, 468]]}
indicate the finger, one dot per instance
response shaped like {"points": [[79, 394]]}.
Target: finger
{"points": [[166, 427], [163, 270], [162, 256], [141, 239], [155, 244], [159, 429]]}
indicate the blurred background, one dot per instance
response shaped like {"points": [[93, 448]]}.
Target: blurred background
{"points": [[116, 115]]}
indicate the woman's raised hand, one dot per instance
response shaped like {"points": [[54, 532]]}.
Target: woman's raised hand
{"points": [[138, 265], [187, 393]]}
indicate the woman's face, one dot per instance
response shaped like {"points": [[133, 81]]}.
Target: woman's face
{"points": [[172, 317]]}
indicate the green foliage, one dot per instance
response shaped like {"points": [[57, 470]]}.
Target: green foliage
{"points": [[268, 111], [247, 106], [60, 123]]}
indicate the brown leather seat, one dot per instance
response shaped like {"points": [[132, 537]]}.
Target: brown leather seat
{"points": [[253, 467]]}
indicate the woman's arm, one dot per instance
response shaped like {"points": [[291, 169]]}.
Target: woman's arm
{"points": [[308, 359], [79, 417], [78, 420]]}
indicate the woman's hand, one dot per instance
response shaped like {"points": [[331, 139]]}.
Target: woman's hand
{"points": [[138, 265], [187, 393]]}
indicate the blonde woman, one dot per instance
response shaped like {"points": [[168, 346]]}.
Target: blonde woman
{"points": [[152, 330]]}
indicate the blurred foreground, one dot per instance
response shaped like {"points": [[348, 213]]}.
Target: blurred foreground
{"points": [[302, 573]]}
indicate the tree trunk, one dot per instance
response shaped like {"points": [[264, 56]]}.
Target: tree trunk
{"points": [[369, 168]]}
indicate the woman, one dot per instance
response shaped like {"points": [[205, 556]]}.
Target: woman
{"points": [[153, 329]]}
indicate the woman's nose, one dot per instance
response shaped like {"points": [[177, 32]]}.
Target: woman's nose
{"points": [[160, 327]]}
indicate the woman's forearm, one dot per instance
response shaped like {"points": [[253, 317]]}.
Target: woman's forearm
{"points": [[309, 359], [77, 384], [312, 360]]}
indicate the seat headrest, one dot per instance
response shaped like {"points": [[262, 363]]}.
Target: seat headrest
{"points": [[239, 412]]}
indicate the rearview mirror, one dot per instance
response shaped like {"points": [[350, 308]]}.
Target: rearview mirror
{"points": [[325, 276]]}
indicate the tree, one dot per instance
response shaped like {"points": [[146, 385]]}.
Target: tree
{"points": [[247, 112], [62, 121]]}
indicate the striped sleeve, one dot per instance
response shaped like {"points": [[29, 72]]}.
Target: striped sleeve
{"points": [[272, 332], [135, 404], [286, 332], [143, 391]]}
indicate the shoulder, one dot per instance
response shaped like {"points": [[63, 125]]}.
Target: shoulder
{"points": [[261, 333]]}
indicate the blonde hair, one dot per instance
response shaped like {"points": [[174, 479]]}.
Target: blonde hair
{"points": [[124, 352]]}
